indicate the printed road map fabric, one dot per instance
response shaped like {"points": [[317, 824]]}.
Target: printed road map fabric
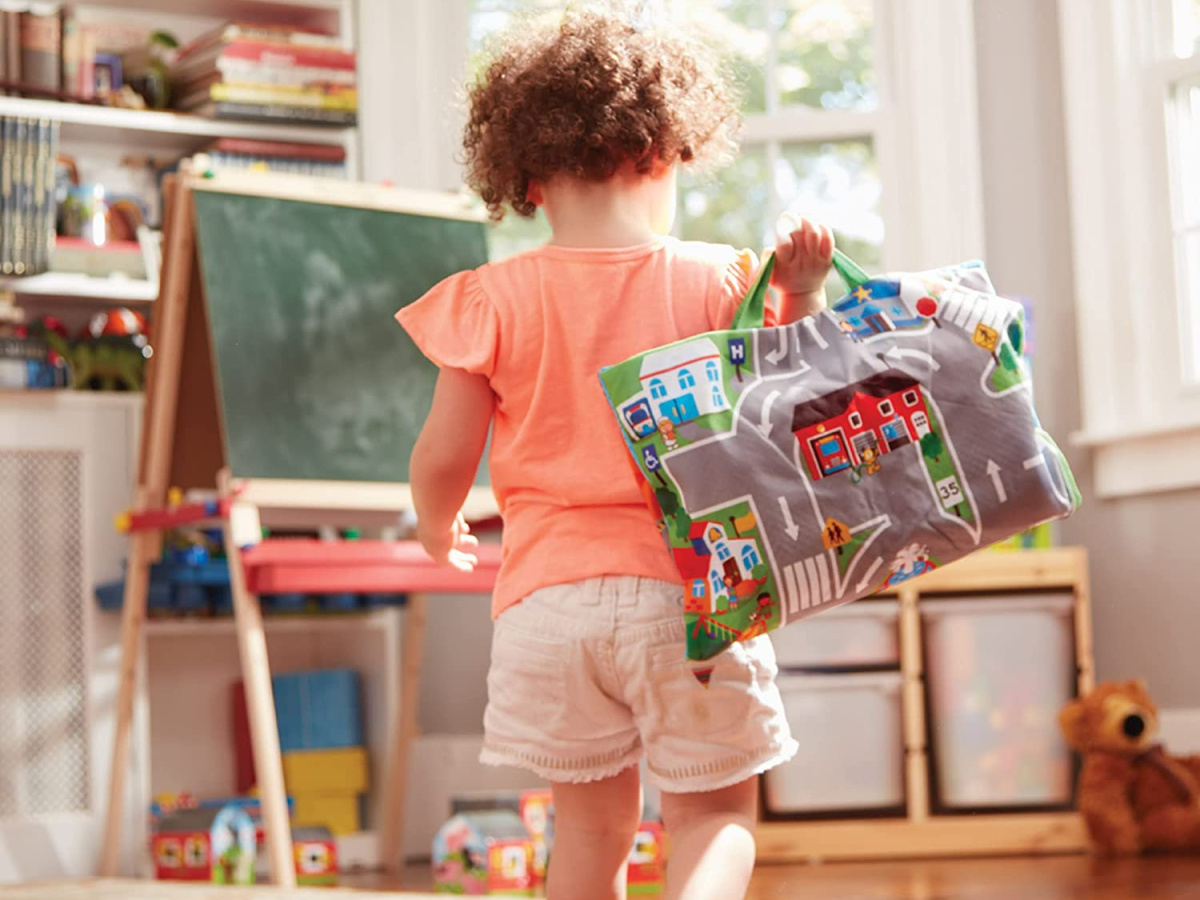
{"points": [[797, 468]]}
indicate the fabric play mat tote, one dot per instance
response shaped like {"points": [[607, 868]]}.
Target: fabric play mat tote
{"points": [[798, 468]]}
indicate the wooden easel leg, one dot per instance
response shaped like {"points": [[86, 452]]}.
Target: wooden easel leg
{"points": [[260, 704], [391, 844], [133, 614]]}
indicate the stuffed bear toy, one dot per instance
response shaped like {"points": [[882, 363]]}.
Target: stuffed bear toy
{"points": [[1133, 796]]}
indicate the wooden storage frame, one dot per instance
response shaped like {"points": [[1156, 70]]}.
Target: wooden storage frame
{"points": [[921, 832]]}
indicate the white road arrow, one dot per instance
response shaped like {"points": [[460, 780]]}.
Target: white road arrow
{"points": [[810, 322], [993, 471], [793, 530], [764, 426], [896, 355], [781, 351], [866, 580], [1034, 462]]}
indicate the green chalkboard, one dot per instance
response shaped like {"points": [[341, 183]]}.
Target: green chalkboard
{"points": [[315, 378]]}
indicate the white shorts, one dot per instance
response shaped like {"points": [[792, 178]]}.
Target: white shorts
{"points": [[588, 677]]}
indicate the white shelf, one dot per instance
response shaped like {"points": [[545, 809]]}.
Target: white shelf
{"points": [[85, 287], [273, 623], [87, 122]]}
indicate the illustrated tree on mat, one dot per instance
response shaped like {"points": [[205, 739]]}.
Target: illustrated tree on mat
{"points": [[933, 446]]}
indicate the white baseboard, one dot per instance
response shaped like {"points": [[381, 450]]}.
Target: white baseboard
{"points": [[1179, 730]]}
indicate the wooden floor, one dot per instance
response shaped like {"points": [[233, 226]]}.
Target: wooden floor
{"points": [[1057, 878], [1053, 878]]}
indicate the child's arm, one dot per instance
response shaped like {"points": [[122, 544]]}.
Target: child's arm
{"points": [[802, 261], [444, 462]]}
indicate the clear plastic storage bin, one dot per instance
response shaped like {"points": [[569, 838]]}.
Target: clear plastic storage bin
{"points": [[998, 672], [851, 749], [858, 635]]}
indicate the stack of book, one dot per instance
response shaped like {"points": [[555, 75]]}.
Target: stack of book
{"points": [[319, 160], [28, 148], [267, 73]]}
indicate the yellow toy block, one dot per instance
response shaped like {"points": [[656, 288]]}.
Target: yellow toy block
{"points": [[337, 812], [340, 771]]}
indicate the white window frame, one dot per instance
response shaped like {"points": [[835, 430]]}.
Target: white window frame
{"points": [[1116, 78], [925, 130]]}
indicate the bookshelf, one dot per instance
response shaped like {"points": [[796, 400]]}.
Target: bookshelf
{"points": [[88, 122], [71, 286], [111, 133]]}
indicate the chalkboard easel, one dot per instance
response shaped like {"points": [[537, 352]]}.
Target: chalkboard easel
{"points": [[190, 440]]}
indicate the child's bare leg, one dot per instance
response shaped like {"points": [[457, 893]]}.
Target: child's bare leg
{"points": [[594, 826], [712, 842]]}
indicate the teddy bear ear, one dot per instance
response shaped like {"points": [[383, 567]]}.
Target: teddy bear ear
{"points": [[1070, 720]]}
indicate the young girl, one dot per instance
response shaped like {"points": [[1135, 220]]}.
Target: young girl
{"points": [[589, 120]]}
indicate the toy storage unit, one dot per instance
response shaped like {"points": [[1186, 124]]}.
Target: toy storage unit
{"points": [[851, 755], [998, 672], [863, 635], [1009, 631]]}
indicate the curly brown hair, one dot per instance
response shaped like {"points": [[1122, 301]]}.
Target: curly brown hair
{"points": [[584, 98]]}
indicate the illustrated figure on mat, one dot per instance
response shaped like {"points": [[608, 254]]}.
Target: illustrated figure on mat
{"points": [[667, 429], [910, 562], [598, 146]]}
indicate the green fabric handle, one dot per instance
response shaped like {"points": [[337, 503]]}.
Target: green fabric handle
{"points": [[753, 307]]}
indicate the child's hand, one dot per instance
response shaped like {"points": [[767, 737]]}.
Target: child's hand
{"points": [[803, 256], [451, 546]]}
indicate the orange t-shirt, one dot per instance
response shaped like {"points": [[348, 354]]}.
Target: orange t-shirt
{"points": [[540, 326]]}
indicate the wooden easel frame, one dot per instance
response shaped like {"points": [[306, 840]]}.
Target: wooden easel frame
{"points": [[187, 450]]}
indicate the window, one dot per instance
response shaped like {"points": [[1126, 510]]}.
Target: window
{"points": [[749, 557], [698, 589], [658, 390], [718, 398], [827, 133], [856, 420], [911, 398], [712, 372], [718, 586], [807, 71], [885, 408], [686, 380], [723, 551], [1131, 79]]}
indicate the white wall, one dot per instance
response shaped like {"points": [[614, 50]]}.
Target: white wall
{"points": [[1146, 616]]}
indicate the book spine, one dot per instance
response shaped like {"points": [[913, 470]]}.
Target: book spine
{"points": [[288, 55], [72, 42], [44, 197], [41, 42], [28, 163], [299, 97], [259, 112], [251, 72], [20, 192], [12, 39], [280, 149], [7, 194]]}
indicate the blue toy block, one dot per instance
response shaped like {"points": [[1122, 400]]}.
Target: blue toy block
{"points": [[340, 602], [222, 600], [285, 603], [318, 710], [190, 598], [110, 595], [377, 601]]}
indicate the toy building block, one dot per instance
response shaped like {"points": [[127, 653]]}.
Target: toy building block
{"points": [[213, 845], [316, 857], [341, 770], [647, 864], [319, 709], [340, 813], [480, 853]]}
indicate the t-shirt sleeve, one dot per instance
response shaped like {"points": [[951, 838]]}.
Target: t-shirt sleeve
{"points": [[455, 325], [737, 278]]}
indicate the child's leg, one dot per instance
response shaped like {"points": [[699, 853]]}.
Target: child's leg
{"points": [[712, 842], [594, 826]]}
